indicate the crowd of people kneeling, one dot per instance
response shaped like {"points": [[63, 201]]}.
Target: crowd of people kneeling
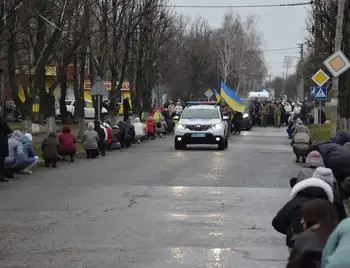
{"points": [[314, 220], [18, 154]]}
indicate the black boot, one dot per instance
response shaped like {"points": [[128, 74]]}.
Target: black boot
{"points": [[9, 175]]}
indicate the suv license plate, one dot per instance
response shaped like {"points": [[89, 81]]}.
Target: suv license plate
{"points": [[198, 135]]}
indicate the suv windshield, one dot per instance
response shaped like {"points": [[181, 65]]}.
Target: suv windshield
{"points": [[201, 114]]}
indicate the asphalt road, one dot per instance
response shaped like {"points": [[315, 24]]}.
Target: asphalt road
{"points": [[153, 207]]}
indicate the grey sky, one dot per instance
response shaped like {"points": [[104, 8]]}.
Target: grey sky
{"points": [[282, 27]]}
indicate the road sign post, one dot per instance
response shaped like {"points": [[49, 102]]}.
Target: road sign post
{"points": [[209, 94], [321, 95], [98, 90]]}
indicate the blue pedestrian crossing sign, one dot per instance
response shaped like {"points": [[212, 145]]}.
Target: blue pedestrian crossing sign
{"points": [[312, 90], [321, 93]]}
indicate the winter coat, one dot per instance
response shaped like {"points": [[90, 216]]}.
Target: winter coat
{"points": [[264, 109], [115, 134], [90, 138], [101, 135], [67, 141], [307, 251], [341, 138], [300, 127], [288, 108], [4, 132], [139, 128], [277, 110], [116, 138], [15, 147], [310, 166], [50, 148], [335, 157], [161, 126], [301, 143], [28, 149], [150, 126], [287, 220], [297, 109], [336, 251]]}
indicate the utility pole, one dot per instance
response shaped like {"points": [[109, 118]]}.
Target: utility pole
{"points": [[283, 82], [301, 86], [335, 81]]}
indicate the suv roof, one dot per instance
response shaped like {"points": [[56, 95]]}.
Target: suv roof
{"points": [[202, 106]]}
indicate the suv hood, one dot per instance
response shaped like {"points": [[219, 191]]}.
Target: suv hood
{"points": [[200, 121]]}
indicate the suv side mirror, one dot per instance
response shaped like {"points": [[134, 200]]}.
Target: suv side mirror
{"points": [[225, 118]]}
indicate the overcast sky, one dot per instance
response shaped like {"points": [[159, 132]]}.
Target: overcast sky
{"points": [[282, 27]]}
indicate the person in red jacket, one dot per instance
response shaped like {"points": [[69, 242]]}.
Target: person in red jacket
{"points": [[67, 143], [151, 127], [109, 134]]}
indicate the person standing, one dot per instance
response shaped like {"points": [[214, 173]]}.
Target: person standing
{"points": [[277, 111], [264, 111], [126, 109], [4, 148]]}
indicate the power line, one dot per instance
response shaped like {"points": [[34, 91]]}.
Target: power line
{"points": [[243, 6], [280, 49]]}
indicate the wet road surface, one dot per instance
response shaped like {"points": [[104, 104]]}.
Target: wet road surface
{"points": [[152, 206]]}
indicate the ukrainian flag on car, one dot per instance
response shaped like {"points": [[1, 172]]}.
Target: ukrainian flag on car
{"points": [[231, 99], [217, 95]]}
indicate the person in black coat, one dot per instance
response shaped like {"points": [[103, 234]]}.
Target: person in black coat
{"points": [[101, 138], [4, 148], [126, 109], [335, 157], [288, 219], [237, 122], [341, 137]]}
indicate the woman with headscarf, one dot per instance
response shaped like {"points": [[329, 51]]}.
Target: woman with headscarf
{"points": [[90, 140]]}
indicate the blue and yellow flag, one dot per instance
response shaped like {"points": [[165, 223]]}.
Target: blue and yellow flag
{"points": [[232, 100], [217, 95]]}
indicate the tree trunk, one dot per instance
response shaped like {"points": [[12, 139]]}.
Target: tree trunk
{"points": [[63, 83], [79, 111]]}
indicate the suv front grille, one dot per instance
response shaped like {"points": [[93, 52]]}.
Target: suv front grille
{"points": [[198, 127]]}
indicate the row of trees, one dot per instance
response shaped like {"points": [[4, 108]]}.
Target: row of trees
{"points": [[204, 56], [142, 41]]}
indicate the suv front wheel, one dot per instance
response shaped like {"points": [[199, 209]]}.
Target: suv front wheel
{"points": [[223, 143], [179, 145]]}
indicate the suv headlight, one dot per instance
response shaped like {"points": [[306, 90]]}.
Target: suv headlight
{"points": [[216, 126], [245, 116], [181, 126]]}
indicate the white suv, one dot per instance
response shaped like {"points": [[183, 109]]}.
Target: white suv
{"points": [[201, 124]]}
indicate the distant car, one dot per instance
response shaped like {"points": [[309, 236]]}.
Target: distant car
{"points": [[202, 124], [88, 109]]}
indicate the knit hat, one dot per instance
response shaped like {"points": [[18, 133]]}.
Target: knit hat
{"points": [[29, 136], [314, 159], [326, 175]]}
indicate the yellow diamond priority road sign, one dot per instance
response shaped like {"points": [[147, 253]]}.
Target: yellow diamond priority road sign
{"points": [[337, 63], [320, 78]]}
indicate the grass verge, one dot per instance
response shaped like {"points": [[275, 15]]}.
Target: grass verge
{"points": [[319, 132]]}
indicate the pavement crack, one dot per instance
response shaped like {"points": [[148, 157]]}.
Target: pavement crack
{"points": [[107, 209], [131, 203]]}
